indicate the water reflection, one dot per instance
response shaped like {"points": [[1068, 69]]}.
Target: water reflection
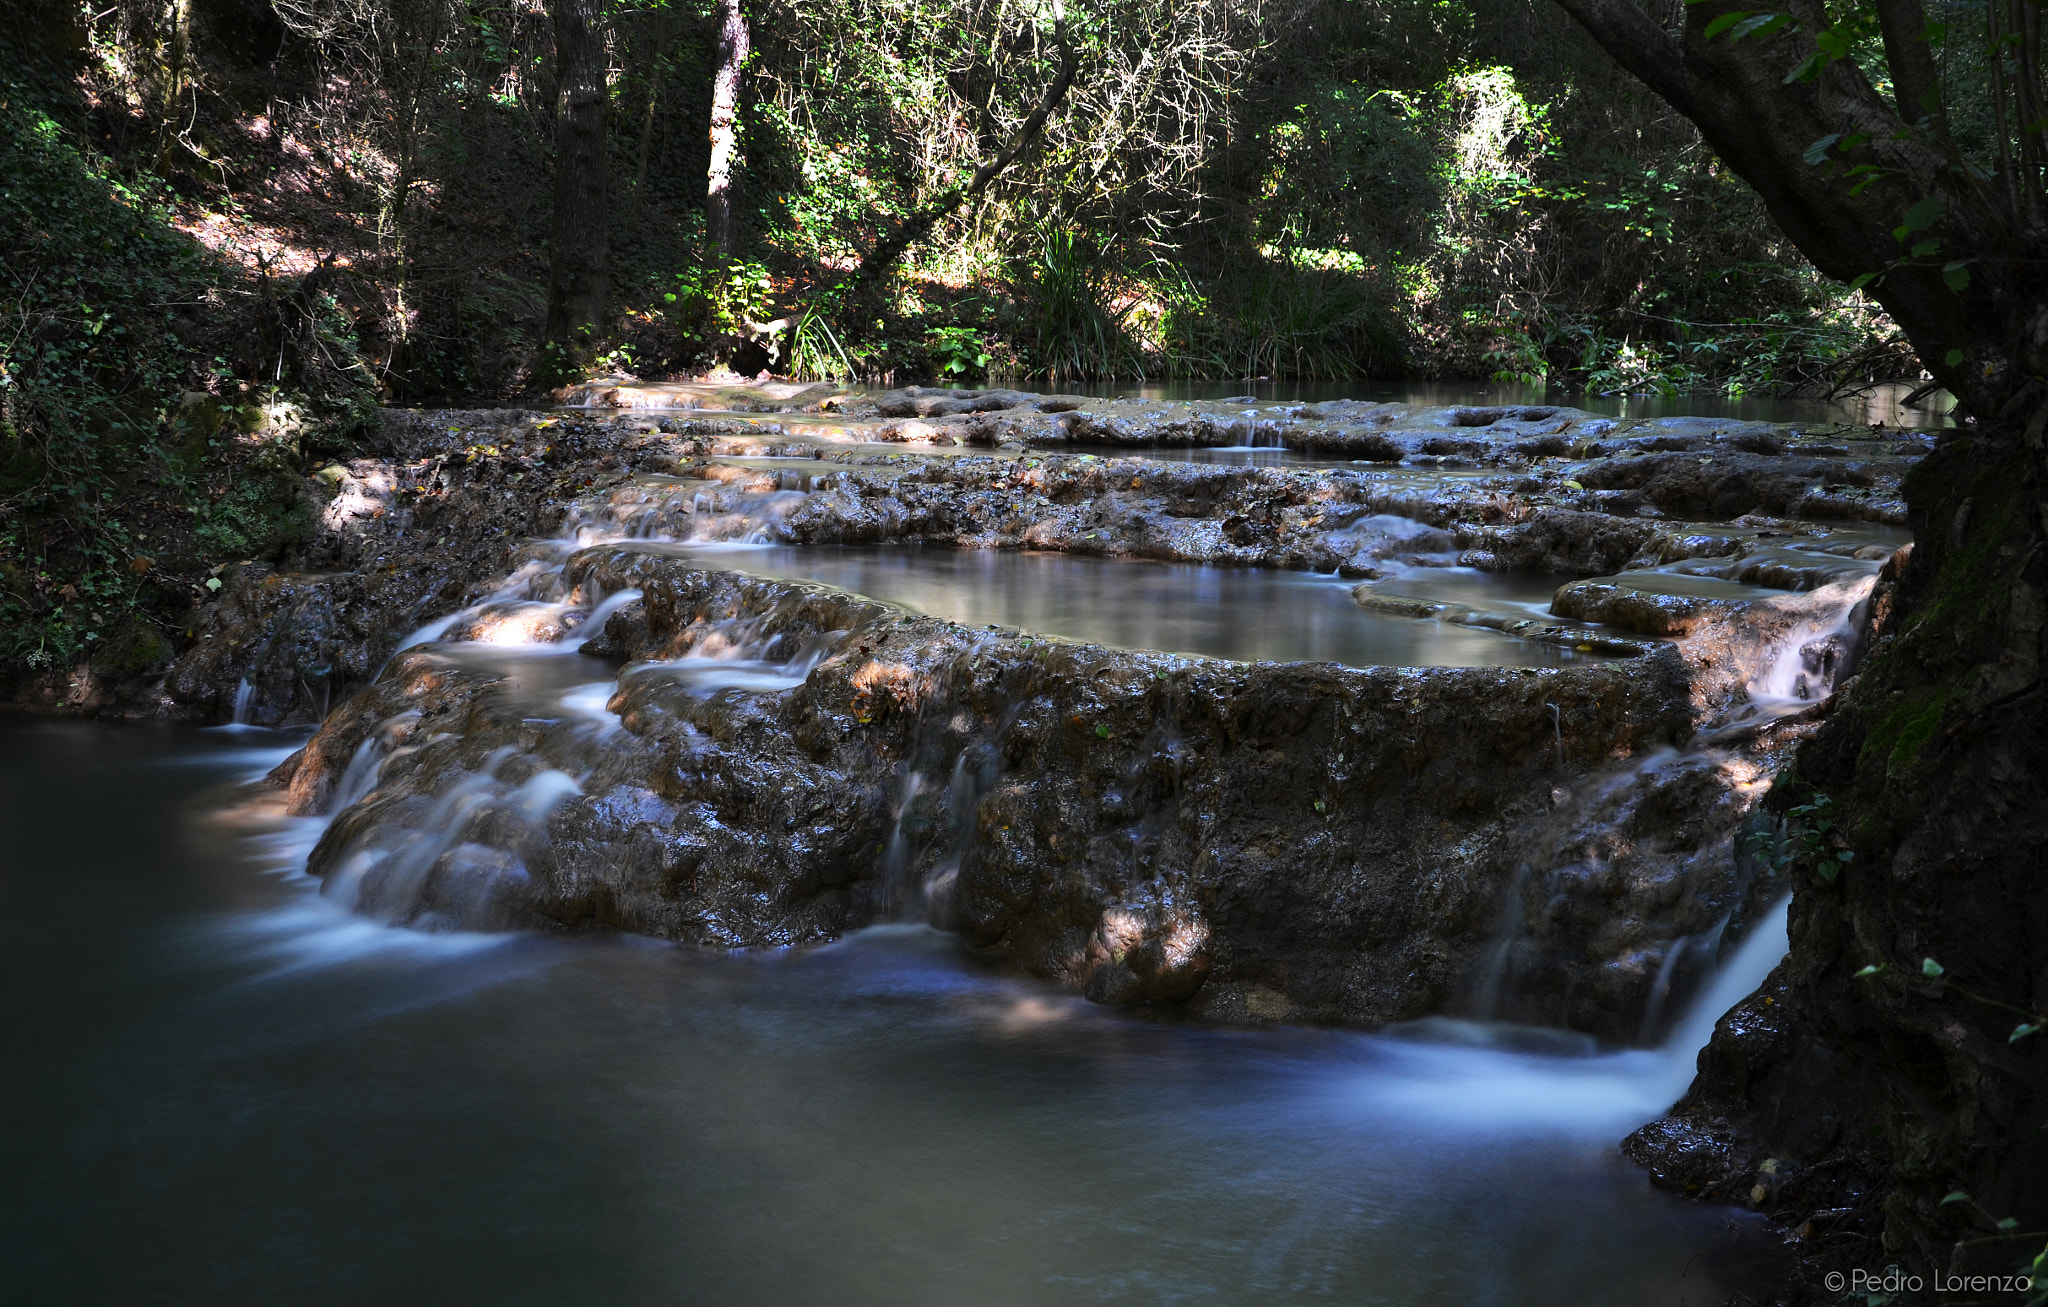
{"points": [[1885, 403], [1220, 612]]}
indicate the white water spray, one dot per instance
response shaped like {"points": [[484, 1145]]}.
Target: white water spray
{"points": [[1485, 1078]]}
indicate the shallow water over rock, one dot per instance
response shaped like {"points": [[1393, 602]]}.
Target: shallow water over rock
{"points": [[1218, 612], [242, 1093], [1429, 794]]}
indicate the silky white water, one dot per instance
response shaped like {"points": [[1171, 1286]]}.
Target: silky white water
{"points": [[242, 1092]]}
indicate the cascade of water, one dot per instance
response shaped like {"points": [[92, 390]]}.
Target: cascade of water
{"points": [[404, 875], [384, 882], [974, 774], [1590, 837], [367, 765], [1808, 660], [612, 604], [431, 631], [245, 702], [1494, 970], [1707, 945], [898, 851], [530, 607], [1486, 1078], [1758, 954], [361, 776]]}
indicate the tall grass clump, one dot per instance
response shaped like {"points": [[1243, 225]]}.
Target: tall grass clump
{"points": [[1276, 319], [1068, 331]]}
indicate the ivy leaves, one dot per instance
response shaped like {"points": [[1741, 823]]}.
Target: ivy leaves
{"points": [[1836, 42], [1936, 972], [1809, 840], [1831, 43], [1743, 22]]}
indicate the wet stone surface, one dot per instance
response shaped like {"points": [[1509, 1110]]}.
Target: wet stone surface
{"points": [[740, 756]]}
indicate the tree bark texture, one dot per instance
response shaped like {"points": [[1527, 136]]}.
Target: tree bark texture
{"points": [[1763, 126], [579, 244], [1852, 1104], [720, 220]]}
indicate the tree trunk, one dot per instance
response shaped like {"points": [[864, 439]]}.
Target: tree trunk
{"points": [[1874, 1096], [177, 77], [579, 245], [719, 219], [1881, 1095], [658, 40], [1979, 342]]}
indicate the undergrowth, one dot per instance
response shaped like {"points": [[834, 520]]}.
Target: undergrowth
{"points": [[132, 462]]}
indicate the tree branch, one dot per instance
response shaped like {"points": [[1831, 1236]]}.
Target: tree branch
{"points": [[1625, 30], [892, 247], [1911, 60]]}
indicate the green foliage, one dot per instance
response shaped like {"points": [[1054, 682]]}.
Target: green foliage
{"points": [[722, 301], [114, 492], [815, 351], [1068, 331], [91, 274], [1416, 187], [957, 352], [1281, 320], [263, 515], [1806, 841]]}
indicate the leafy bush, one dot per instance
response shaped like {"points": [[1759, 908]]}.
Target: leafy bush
{"points": [[92, 280], [957, 352]]}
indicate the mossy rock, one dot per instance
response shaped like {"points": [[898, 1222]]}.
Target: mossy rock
{"points": [[134, 648]]}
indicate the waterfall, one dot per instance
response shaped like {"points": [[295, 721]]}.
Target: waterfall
{"points": [[1806, 662], [245, 703], [1484, 1079], [1797, 649], [1760, 951]]}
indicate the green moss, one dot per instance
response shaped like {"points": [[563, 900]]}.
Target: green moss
{"points": [[1967, 604], [1896, 741], [264, 515], [133, 650], [1961, 621]]}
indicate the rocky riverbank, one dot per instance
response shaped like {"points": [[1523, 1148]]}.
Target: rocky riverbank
{"points": [[777, 763], [1310, 842], [545, 700]]}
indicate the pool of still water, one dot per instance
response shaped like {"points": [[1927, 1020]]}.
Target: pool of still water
{"points": [[1239, 613]]}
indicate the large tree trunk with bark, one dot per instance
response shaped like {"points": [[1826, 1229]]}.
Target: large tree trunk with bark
{"points": [[1796, 142], [720, 221], [1849, 1104], [579, 245], [1882, 1096]]}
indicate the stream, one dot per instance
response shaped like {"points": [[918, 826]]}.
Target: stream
{"points": [[227, 1088], [528, 1039]]}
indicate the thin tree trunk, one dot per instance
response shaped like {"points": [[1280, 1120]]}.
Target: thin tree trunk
{"points": [[725, 120], [660, 43], [177, 68], [1915, 84], [579, 247]]}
